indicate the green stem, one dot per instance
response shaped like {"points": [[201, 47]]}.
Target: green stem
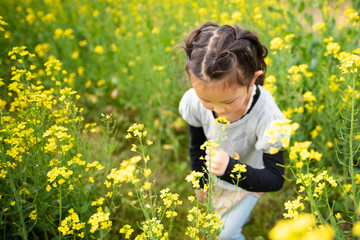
{"points": [[351, 150], [60, 210], [19, 206]]}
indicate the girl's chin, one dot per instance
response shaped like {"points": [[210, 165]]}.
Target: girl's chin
{"points": [[222, 114]]}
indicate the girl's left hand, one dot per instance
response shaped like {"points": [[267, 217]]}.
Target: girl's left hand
{"points": [[219, 161]]}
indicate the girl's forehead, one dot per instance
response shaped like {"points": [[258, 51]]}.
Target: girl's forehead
{"points": [[220, 85], [216, 91]]}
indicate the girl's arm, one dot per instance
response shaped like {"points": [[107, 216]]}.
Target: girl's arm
{"points": [[197, 138], [268, 179]]}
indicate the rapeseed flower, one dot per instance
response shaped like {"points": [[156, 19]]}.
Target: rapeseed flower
{"points": [[356, 229], [127, 230], [99, 219], [194, 177], [153, 229], [270, 84], [319, 27], [352, 15], [238, 169], [281, 130], [300, 228], [292, 207], [71, 224], [136, 130], [61, 171], [33, 214], [2, 23], [99, 49], [169, 199]]}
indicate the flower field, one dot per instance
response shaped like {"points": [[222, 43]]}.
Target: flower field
{"points": [[92, 145]]}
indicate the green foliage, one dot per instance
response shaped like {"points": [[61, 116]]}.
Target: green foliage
{"points": [[121, 59]]}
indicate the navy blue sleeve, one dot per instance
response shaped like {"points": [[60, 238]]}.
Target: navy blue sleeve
{"points": [[268, 179], [197, 138]]}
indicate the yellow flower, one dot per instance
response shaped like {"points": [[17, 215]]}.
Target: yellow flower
{"points": [[285, 141], [99, 219], [2, 23], [127, 230], [32, 215], [99, 49], [83, 43], [146, 186], [273, 150], [75, 55], [332, 48], [302, 227], [299, 164], [194, 178], [236, 16], [147, 172], [221, 120], [277, 44], [356, 229], [155, 30], [100, 83], [319, 27]]}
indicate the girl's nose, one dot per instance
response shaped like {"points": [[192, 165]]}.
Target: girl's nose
{"points": [[218, 109]]}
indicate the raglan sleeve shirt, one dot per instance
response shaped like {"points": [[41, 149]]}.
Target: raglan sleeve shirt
{"points": [[266, 179]]}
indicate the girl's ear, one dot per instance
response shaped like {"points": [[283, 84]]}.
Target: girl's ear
{"points": [[256, 75]]}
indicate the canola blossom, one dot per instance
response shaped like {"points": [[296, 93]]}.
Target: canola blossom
{"points": [[63, 175]]}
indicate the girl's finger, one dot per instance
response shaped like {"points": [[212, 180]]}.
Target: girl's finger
{"points": [[207, 157]]}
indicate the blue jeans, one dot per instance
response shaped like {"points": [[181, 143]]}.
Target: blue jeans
{"points": [[238, 216]]}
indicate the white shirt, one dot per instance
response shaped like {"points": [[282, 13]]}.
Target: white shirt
{"points": [[245, 136]]}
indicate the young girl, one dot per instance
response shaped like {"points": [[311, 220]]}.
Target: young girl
{"points": [[226, 68]]}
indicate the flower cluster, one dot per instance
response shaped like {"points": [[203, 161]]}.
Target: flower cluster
{"points": [[58, 171], [136, 131], [302, 227], [280, 130], [293, 207], [127, 230], [153, 229], [169, 199], [208, 222], [299, 152], [71, 225], [222, 121], [127, 171], [238, 169], [2, 23], [297, 73], [99, 219], [210, 145], [195, 177]]}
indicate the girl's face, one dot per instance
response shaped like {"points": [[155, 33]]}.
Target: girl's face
{"points": [[224, 101], [230, 102]]}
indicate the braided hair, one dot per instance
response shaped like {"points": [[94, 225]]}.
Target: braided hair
{"points": [[215, 52]]}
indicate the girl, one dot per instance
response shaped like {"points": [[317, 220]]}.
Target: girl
{"points": [[226, 68]]}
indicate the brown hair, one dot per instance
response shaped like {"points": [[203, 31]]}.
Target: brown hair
{"points": [[214, 52]]}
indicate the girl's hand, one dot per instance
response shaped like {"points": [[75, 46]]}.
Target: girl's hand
{"points": [[219, 161], [201, 194]]}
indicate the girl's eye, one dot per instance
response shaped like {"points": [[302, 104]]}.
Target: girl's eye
{"points": [[230, 102]]}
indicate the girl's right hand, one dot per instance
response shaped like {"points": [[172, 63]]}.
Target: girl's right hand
{"points": [[201, 195]]}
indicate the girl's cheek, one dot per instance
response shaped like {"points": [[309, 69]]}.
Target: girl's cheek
{"points": [[207, 106]]}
